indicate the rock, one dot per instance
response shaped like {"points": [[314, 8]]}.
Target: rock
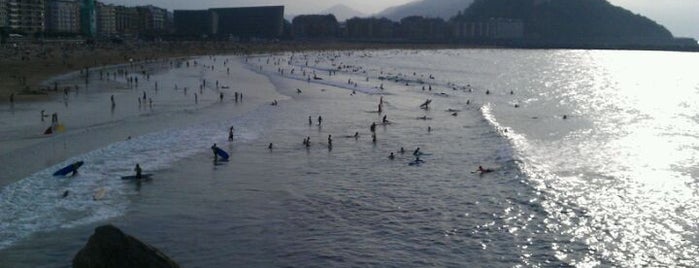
{"points": [[109, 247]]}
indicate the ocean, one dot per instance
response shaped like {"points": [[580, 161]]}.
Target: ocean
{"points": [[592, 156]]}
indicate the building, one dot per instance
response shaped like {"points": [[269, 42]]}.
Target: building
{"points": [[492, 29], [88, 18], [106, 20], [151, 19], [3, 14], [315, 26], [63, 16], [25, 16], [248, 22], [423, 29], [126, 20], [197, 23], [370, 29], [245, 22]]}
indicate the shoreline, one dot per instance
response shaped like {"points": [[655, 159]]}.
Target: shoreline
{"points": [[53, 149], [31, 67]]}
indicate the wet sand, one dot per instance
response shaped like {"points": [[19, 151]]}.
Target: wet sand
{"points": [[92, 123]]}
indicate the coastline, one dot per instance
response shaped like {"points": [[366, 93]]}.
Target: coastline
{"points": [[32, 66]]}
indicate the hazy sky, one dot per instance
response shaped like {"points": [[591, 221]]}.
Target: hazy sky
{"points": [[681, 17]]}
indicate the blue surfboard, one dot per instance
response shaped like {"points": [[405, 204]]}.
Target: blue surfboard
{"points": [[221, 153], [68, 169]]}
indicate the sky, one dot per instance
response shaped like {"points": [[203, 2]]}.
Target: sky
{"points": [[681, 17]]}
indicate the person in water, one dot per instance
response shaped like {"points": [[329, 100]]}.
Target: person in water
{"points": [[417, 152], [484, 170], [356, 135], [75, 165], [392, 156], [138, 171], [230, 134], [402, 150]]}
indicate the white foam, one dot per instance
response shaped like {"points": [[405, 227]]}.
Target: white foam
{"points": [[35, 204]]}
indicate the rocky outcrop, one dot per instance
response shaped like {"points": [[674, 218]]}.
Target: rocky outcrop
{"points": [[109, 247]]}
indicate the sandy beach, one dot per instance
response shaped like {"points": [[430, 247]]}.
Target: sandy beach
{"points": [[25, 66]]}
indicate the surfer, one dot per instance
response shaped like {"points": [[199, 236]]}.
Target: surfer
{"points": [[372, 128], [417, 152], [270, 146], [320, 120], [230, 134], [356, 135], [138, 171], [76, 165], [391, 156], [402, 150], [310, 121], [330, 140], [385, 121], [484, 170]]}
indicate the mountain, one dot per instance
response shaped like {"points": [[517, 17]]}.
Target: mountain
{"points": [[427, 8], [342, 12], [572, 21]]}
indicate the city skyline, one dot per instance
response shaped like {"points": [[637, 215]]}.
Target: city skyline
{"points": [[676, 15]]}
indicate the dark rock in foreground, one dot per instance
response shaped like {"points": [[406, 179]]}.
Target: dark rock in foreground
{"points": [[110, 247]]}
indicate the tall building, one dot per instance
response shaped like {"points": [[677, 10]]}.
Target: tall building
{"points": [[106, 20], [63, 16], [245, 22], [126, 20], [249, 22], [26, 16], [193, 22], [3, 14], [88, 18], [151, 19]]}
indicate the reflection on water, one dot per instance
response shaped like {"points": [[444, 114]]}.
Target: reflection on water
{"points": [[593, 154]]}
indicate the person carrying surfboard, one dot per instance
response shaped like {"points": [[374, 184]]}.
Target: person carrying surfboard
{"points": [[213, 148]]}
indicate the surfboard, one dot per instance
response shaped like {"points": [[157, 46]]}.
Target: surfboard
{"points": [[416, 163], [68, 169], [54, 128], [99, 194], [221, 153], [143, 177]]}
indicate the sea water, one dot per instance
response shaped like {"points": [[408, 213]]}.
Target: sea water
{"points": [[592, 154]]}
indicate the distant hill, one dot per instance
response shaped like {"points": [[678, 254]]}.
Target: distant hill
{"points": [[342, 12], [427, 8], [573, 21]]}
